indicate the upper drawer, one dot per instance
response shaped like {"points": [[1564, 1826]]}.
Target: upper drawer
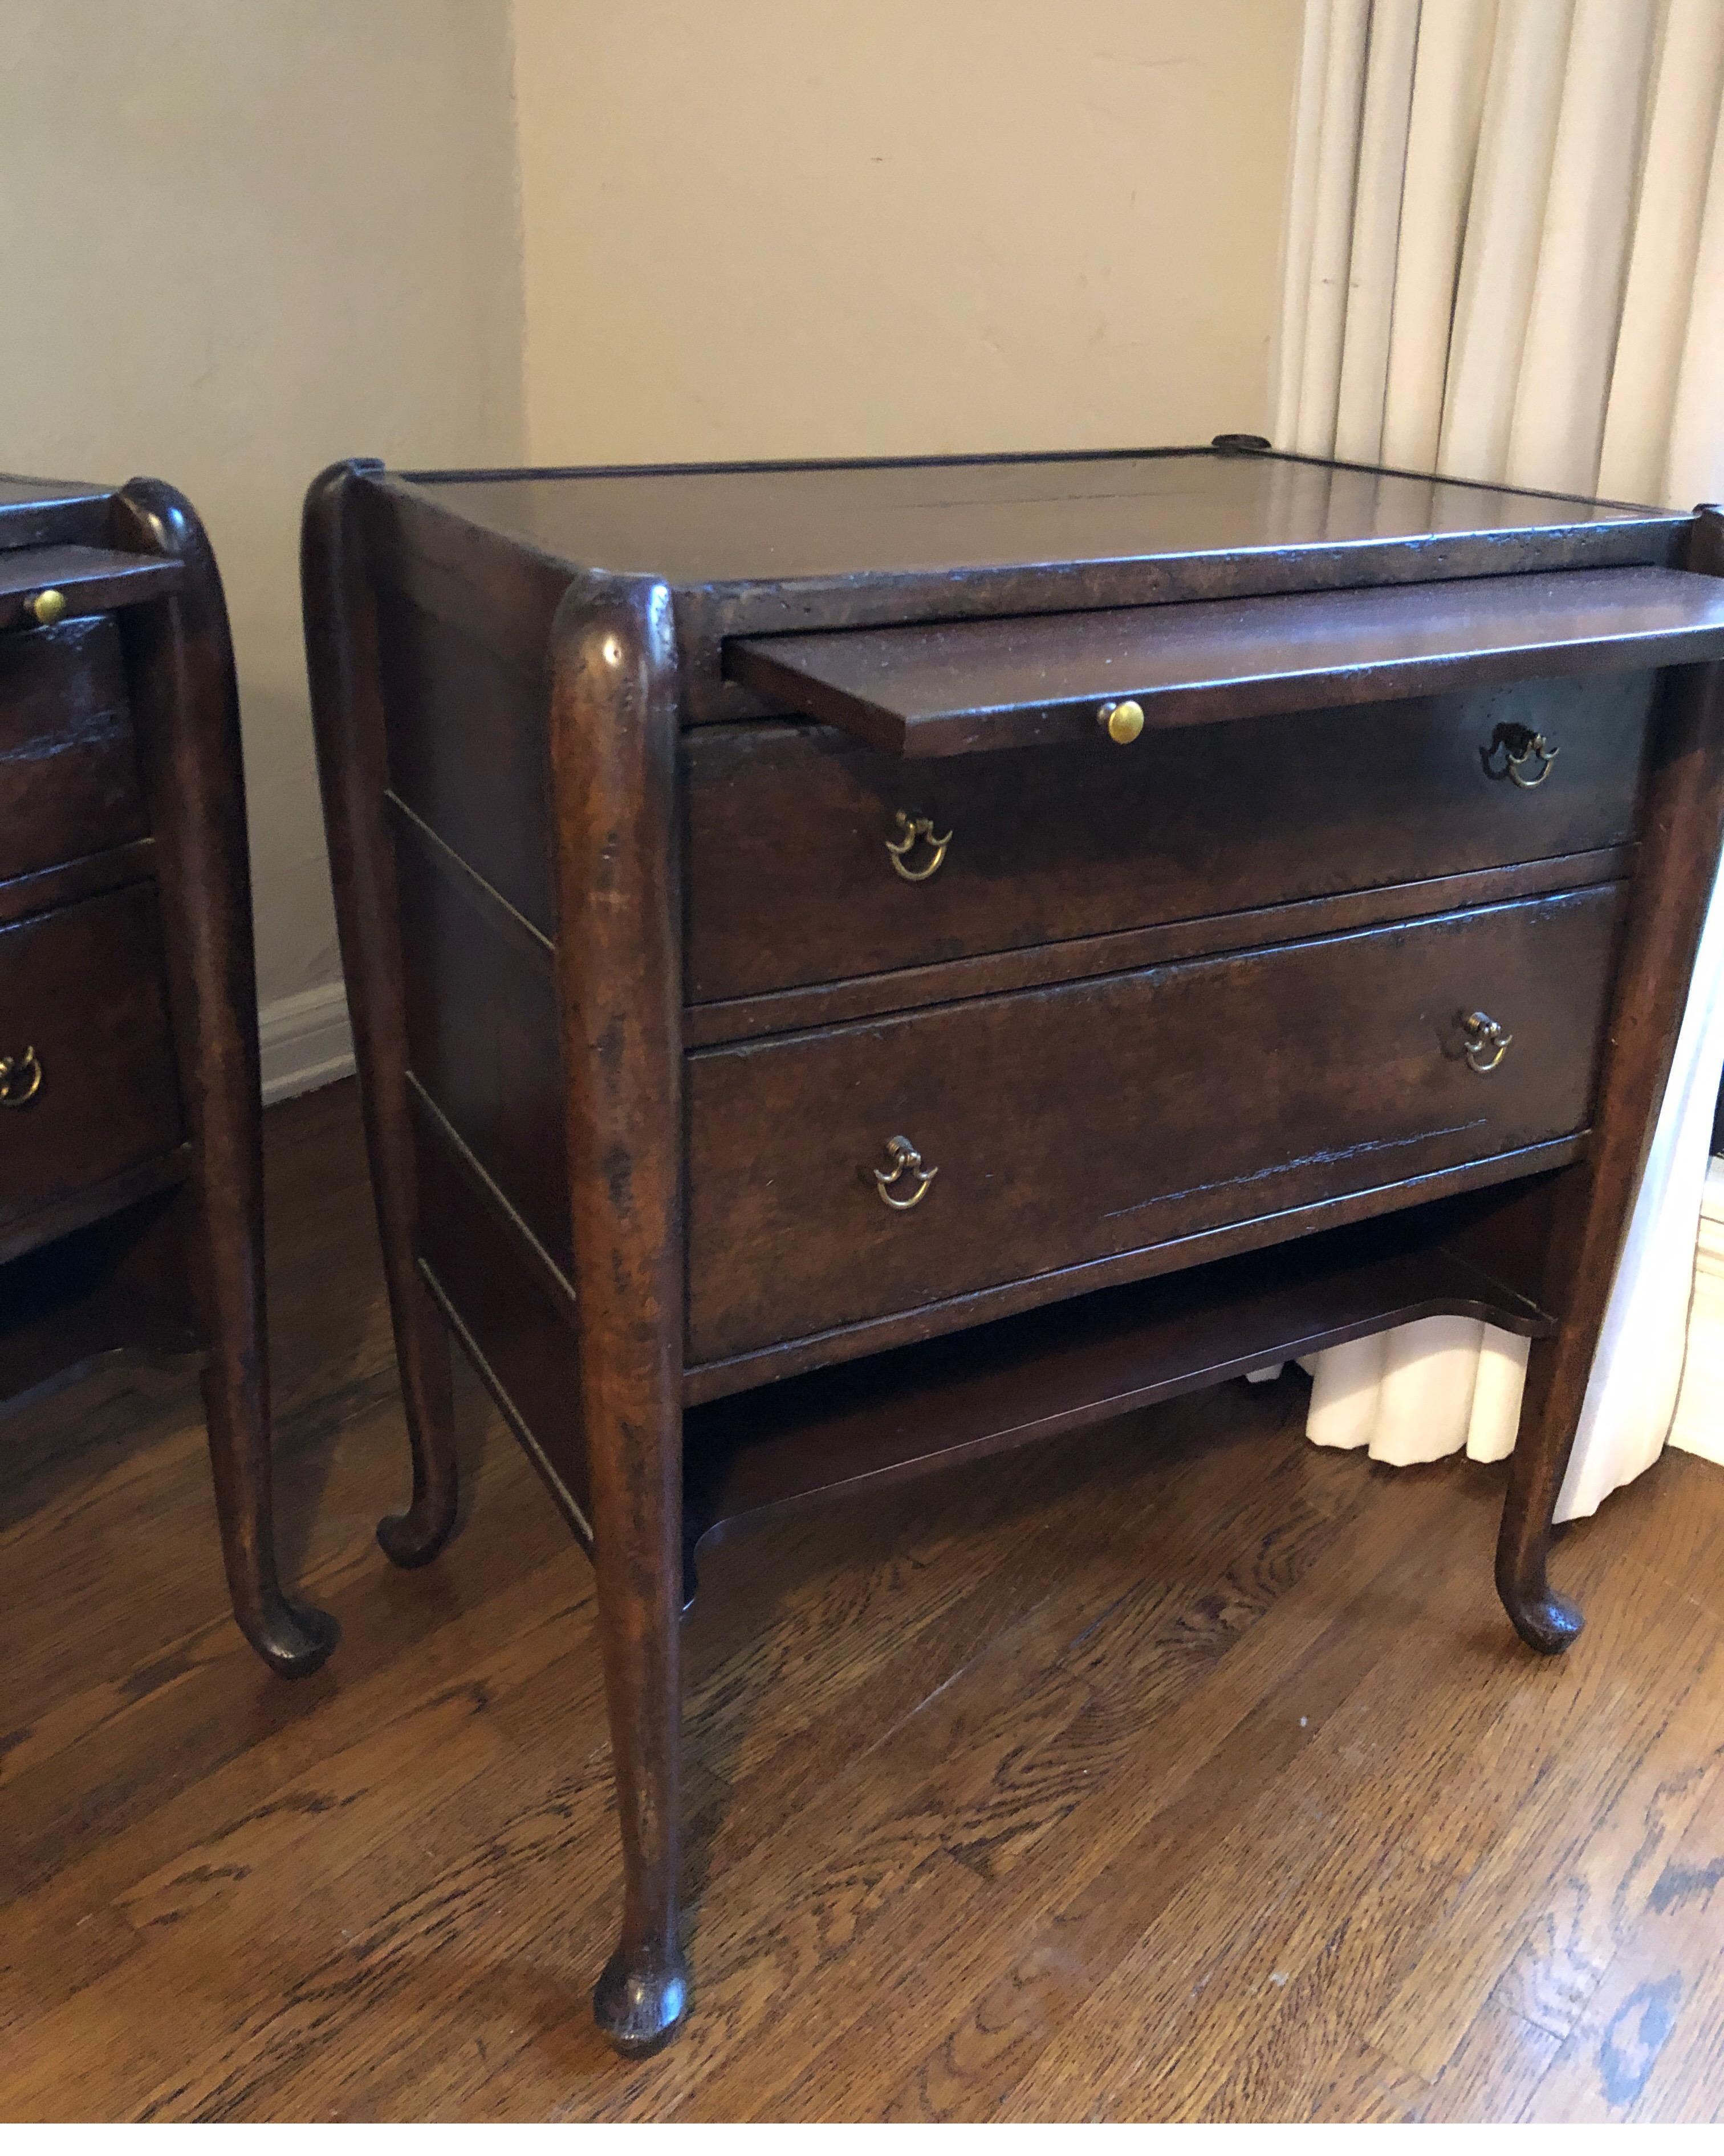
{"points": [[1074, 1125], [794, 876], [69, 775], [89, 1088]]}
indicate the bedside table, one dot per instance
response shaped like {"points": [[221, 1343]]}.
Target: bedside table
{"points": [[857, 967], [130, 1159]]}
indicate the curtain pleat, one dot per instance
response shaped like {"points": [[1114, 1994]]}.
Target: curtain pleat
{"points": [[1570, 345], [1666, 285], [1336, 170], [1298, 250], [1694, 468], [1506, 262], [1445, 115], [1499, 262], [1505, 255], [1631, 1396], [1385, 112]]}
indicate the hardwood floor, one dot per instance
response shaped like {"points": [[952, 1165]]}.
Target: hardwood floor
{"points": [[1178, 1771]]}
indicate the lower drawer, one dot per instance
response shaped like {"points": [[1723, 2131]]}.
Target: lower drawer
{"points": [[1086, 1122], [88, 1088]]}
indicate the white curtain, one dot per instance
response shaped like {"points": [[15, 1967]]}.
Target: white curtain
{"points": [[1505, 261]]}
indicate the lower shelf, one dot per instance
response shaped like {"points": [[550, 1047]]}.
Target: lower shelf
{"points": [[972, 1394], [66, 1308]]}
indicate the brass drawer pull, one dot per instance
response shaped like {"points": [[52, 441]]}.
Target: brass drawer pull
{"points": [[1122, 722], [46, 608], [1518, 745], [1485, 1042], [905, 1160], [909, 830], [20, 1079]]}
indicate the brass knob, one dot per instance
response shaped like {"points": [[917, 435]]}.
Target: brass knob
{"points": [[1485, 1042], [1120, 722], [910, 829], [903, 1159], [47, 607], [20, 1079]]}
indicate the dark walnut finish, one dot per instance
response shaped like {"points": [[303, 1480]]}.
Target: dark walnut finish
{"points": [[954, 687], [1073, 1126], [85, 983], [130, 1161], [1050, 845], [860, 967], [70, 784]]}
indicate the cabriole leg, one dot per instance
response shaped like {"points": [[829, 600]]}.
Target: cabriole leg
{"points": [[422, 1351], [185, 677], [292, 1637], [1545, 1620], [1683, 823], [341, 658], [613, 755], [643, 1993]]}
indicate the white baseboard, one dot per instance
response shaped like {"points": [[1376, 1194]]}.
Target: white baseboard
{"points": [[306, 1042]]}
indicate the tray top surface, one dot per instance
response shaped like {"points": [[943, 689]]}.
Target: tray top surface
{"points": [[697, 526], [16, 491], [35, 512]]}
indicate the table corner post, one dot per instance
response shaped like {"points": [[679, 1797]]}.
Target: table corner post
{"points": [[1682, 829], [615, 755], [343, 665], [187, 701]]}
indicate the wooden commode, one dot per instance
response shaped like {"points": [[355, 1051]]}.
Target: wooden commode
{"points": [[130, 1154], [855, 966]]}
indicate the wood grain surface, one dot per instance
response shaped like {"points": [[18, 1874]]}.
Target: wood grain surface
{"points": [[89, 579], [69, 767], [697, 524], [1047, 845], [1178, 1771], [1075, 1125], [772, 549], [951, 688], [107, 1099]]}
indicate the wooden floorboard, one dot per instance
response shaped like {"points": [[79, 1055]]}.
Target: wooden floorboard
{"points": [[1174, 1770]]}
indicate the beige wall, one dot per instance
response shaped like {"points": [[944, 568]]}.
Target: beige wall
{"points": [[787, 227], [242, 237]]}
